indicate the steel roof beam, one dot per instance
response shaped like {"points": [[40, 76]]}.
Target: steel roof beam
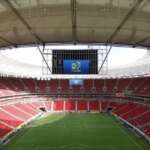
{"points": [[25, 23], [126, 18], [142, 41], [44, 58], [105, 59], [37, 39], [73, 6], [7, 41]]}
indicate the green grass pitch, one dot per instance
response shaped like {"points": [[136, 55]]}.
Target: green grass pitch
{"points": [[84, 131]]}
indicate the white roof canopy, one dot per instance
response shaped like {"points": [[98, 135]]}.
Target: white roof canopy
{"points": [[74, 21]]}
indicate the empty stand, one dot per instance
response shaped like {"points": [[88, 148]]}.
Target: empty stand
{"points": [[82, 105], [58, 105], [14, 86], [94, 106], [14, 115], [69, 105]]}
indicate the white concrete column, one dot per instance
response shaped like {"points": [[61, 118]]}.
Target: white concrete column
{"points": [[76, 105], [100, 106], [88, 105], [64, 107], [52, 106]]}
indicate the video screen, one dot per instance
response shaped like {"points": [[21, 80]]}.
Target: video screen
{"points": [[74, 62], [75, 82], [76, 66]]}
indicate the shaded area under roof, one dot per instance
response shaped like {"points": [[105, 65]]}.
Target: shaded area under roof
{"points": [[74, 21]]}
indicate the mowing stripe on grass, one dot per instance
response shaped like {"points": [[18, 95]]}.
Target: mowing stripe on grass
{"points": [[75, 147], [77, 132]]}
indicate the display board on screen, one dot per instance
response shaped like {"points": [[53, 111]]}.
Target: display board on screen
{"points": [[73, 61], [76, 66], [75, 82]]}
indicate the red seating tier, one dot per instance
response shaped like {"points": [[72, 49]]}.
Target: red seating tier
{"points": [[70, 105], [58, 105], [82, 105], [13, 86], [13, 115], [4, 130]]}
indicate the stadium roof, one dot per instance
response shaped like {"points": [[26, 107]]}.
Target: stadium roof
{"points": [[74, 21]]}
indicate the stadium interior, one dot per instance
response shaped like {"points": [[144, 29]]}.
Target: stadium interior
{"points": [[109, 108]]}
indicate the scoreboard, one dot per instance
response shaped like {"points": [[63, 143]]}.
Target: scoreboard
{"points": [[74, 62], [76, 82], [76, 66]]}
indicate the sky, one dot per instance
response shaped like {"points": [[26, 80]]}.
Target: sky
{"points": [[122, 55], [118, 56]]}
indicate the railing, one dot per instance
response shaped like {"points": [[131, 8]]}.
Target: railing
{"points": [[133, 127]]}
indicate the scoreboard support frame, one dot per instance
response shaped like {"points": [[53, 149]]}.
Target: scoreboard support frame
{"points": [[102, 64]]}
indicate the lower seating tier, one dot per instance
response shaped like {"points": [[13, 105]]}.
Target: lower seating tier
{"points": [[14, 115]]}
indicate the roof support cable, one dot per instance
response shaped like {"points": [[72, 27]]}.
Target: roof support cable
{"points": [[122, 23], [104, 60], [38, 47], [37, 39], [9, 42]]}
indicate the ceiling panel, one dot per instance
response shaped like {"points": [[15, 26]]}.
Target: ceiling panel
{"points": [[24, 22]]}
